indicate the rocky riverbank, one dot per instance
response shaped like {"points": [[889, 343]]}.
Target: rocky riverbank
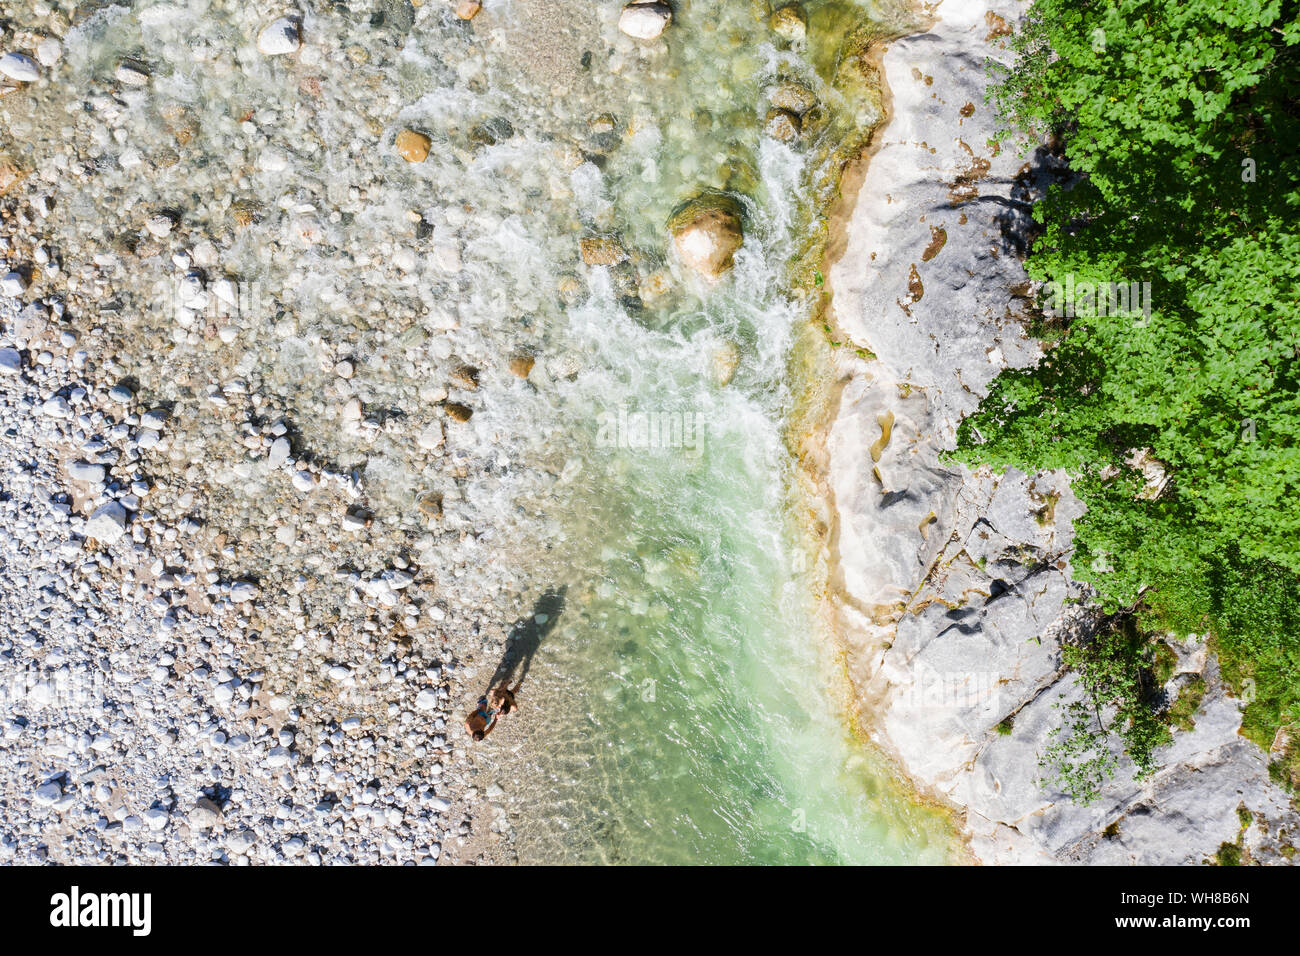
{"points": [[252, 466], [952, 588]]}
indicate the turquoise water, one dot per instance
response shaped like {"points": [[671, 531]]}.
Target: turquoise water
{"points": [[690, 707]]}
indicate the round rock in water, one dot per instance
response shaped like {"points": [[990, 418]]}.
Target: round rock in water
{"points": [[279, 38], [645, 21], [413, 145], [49, 52], [129, 73], [707, 233], [789, 22], [782, 125]]}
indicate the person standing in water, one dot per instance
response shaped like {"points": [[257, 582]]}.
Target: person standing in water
{"points": [[503, 698], [496, 702], [480, 723]]}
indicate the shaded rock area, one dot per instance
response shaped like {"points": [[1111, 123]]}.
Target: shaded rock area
{"points": [[953, 588]]}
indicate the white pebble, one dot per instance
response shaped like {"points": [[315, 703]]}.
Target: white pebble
{"points": [[159, 226], [279, 453], [81, 471], [13, 285], [108, 523], [20, 67], [645, 21], [279, 38], [49, 52]]}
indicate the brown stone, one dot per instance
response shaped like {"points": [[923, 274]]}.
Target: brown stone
{"points": [[602, 252], [793, 98], [655, 285], [521, 366], [468, 9], [707, 233], [466, 377], [413, 146], [725, 361], [789, 22], [457, 412], [782, 125], [10, 174], [245, 212]]}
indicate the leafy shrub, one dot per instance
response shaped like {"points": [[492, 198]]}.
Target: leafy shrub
{"points": [[1181, 119]]}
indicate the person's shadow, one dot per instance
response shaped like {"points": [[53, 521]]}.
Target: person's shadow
{"points": [[526, 636]]}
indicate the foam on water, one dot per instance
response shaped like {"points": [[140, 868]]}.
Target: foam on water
{"points": [[693, 707]]}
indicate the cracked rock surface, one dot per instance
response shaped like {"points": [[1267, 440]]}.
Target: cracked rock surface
{"points": [[952, 587]]}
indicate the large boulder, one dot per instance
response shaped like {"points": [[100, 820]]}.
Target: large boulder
{"points": [[706, 233]]}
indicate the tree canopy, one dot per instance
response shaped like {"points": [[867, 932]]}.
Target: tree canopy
{"points": [[1182, 122]]}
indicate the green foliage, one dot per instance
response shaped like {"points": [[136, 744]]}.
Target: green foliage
{"points": [[1165, 661], [1005, 726], [1114, 670], [1285, 770], [1182, 118], [1229, 855], [1077, 761], [1183, 711]]}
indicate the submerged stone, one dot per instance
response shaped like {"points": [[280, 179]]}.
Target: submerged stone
{"points": [[789, 22], [521, 366], [10, 174], [20, 67], [725, 361], [782, 125], [131, 73], [413, 146], [793, 98], [602, 252], [466, 376]]}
